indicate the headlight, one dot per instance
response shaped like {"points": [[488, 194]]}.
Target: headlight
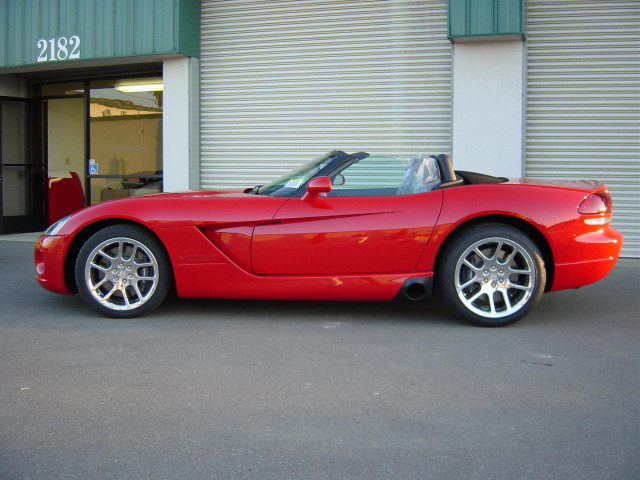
{"points": [[56, 227]]}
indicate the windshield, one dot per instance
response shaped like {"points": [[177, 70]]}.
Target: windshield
{"points": [[288, 184]]}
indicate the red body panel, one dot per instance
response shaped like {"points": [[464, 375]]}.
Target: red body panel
{"points": [[235, 245], [346, 235], [50, 253], [208, 273], [582, 254]]}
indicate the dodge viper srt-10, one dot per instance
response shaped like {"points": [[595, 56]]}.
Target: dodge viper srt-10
{"points": [[342, 227]]}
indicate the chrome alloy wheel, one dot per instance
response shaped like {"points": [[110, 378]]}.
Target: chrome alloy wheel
{"points": [[495, 277], [121, 273]]}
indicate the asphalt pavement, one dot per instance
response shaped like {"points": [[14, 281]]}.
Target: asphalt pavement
{"points": [[218, 389]]}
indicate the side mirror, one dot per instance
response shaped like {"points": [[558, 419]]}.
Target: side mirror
{"points": [[316, 186]]}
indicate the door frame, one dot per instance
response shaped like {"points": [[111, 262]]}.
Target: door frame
{"points": [[35, 219]]}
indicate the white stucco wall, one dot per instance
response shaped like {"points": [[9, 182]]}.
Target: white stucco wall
{"points": [[181, 126], [488, 107]]}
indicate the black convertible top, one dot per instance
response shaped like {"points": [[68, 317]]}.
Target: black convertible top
{"points": [[473, 178]]}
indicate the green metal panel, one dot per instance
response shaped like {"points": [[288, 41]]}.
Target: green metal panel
{"points": [[486, 18], [510, 16], [37, 31], [480, 17]]}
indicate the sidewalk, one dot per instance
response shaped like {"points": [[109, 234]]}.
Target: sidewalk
{"points": [[21, 237]]}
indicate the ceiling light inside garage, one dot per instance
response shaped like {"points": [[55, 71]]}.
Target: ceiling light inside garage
{"points": [[140, 87]]}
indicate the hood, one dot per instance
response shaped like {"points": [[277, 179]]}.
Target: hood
{"points": [[231, 192]]}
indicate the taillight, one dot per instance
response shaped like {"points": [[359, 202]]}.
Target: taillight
{"points": [[598, 203]]}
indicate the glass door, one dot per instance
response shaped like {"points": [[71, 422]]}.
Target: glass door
{"points": [[66, 155], [22, 178], [125, 131], [77, 143]]}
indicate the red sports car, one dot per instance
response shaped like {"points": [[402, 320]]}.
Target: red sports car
{"points": [[341, 227]]}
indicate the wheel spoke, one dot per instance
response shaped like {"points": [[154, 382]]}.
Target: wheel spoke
{"points": [[468, 283], [99, 284], [109, 293], [138, 293], [496, 254], [100, 267], [509, 257], [492, 304], [471, 265], [126, 297], [105, 253], [524, 288], [476, 296], [482, 255], [146, 267], [134, 253], [142, 276], [120, 250], [505, 297]]}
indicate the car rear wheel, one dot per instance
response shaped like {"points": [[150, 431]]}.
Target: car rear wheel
{"points": [[122, 271], [492, 275]]}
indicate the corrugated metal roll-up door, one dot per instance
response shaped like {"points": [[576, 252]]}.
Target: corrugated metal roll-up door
{"points": [[285, 81], [583, 100]]}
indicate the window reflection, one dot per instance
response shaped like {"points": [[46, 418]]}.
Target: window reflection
{"points": [[66, 88], [126, 139]]}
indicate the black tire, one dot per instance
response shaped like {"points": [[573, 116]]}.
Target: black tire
{"points": [[123, 271], [492, 275]]}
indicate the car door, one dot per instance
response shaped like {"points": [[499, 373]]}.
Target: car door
{"points": [[346, 235]]}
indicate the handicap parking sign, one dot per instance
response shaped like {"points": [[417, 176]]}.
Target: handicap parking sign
{"points": [[93, 169]]}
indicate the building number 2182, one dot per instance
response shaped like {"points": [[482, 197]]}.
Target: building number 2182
{"points": [[61, 48]]}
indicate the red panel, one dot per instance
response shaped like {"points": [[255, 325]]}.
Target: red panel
{"points": [[582, 253], [182, 209], [49, 260], [65, 196], [206, 272], [574, 275], [344, 235], [233, 241]]}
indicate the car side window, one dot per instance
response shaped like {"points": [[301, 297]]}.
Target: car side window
{"points": [[386, 176], [371, 176]]}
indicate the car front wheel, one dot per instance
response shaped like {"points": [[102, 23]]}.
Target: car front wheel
{"points": [[492, 275], [122, 271]]}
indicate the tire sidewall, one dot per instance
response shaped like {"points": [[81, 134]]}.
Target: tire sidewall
{"points": [[448, 271], [134, 233]]}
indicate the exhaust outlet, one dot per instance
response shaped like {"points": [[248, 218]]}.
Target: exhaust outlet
{"points": [[416, 289]]}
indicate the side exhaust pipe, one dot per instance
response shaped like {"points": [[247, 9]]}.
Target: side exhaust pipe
{"points": [[416, 289]]}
